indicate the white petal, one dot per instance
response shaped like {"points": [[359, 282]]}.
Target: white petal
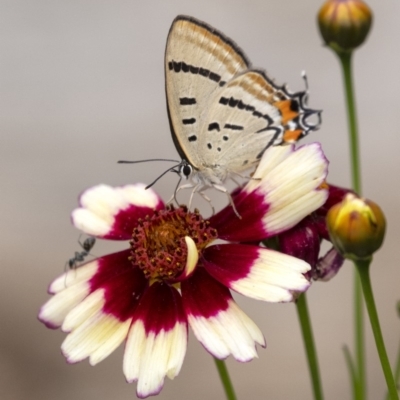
{"points": [[231, 331], [273, 277], [57, 308], [75, 276], [100, 204], [149, 357], [85, 310], [291, 186], [96, 338]]}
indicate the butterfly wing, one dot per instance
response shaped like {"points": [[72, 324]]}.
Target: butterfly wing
{"points": [[250, 114], [224, 115], [198, 62]]}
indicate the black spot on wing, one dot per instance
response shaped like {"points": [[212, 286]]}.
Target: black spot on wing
{"points": [[204, 72], [226, 138], [192, 138], [177, 66], [213, 126], [232, 102], [215, 77], [185, 67], [209, 145], [188, 68], [294, 106], [189, 121], [187, 101], [233, 127]]}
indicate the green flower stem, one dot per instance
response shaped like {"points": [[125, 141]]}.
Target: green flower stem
{"points": [[345, 61], [306, 330], [396, 372], [352, 372], [363, 271], [225, 379], [359, 340]]}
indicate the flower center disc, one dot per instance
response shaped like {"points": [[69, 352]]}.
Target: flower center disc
{"points": [[158, 242]]}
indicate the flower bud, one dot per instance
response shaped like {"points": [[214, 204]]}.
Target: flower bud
{"points": [[356, 227], [344, 24]]}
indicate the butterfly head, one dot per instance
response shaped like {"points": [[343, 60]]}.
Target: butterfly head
{"points": [[185, 170]]}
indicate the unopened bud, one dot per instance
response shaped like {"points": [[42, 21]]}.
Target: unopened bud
{"points": [[356, 227], [344, 24]]}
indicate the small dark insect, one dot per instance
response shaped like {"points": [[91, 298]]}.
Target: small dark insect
{"points": [[87, 245]]}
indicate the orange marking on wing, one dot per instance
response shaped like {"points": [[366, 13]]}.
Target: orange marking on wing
{"points": [[292, 136], [286, 112]]}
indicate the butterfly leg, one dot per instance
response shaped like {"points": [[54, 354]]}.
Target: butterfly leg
{"points": [[206, 198], [224, 190], [173, 197], [196, 188]]}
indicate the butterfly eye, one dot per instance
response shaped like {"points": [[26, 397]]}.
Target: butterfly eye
{"points": [[186, 170]]}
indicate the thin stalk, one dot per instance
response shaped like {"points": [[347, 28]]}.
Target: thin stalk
{"points": [[359, 339], [363, 270], [352, 372], [225, 379], [396, 372], [308, 339], [345, 60]]}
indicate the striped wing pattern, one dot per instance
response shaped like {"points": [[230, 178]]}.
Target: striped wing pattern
{"points": [[222, 112]]}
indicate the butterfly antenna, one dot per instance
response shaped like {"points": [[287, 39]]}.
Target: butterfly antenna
{"points": [[142, 161], [165, 172], [305, 79]]}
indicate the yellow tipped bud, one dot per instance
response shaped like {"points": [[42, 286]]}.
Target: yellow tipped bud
{"points": [[356, 227], [344, 24]]}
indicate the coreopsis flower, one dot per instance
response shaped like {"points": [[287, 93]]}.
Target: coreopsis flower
{"points": [[304, 240], [175, 274]]}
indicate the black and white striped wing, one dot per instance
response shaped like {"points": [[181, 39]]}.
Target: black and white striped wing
{"points": [[199, 61], [242, 121]]}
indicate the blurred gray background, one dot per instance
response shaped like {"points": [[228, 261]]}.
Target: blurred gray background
{"points": [[82, 86]]}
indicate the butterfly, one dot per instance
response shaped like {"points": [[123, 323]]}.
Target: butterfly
{"points": [[223, 113]]}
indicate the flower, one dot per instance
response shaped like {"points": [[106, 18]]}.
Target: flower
{"points": [[175, 274], [356, 227], [344, 24], [303, 241]]}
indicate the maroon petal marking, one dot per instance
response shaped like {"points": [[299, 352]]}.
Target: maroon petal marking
{"points": [[112, 212], [123, 284], [229, 262], [160, 308], [204, 296], [251, 207], [126, 220]]}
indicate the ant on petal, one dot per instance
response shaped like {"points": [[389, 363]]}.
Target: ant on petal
{"points": [[87, 245]]}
